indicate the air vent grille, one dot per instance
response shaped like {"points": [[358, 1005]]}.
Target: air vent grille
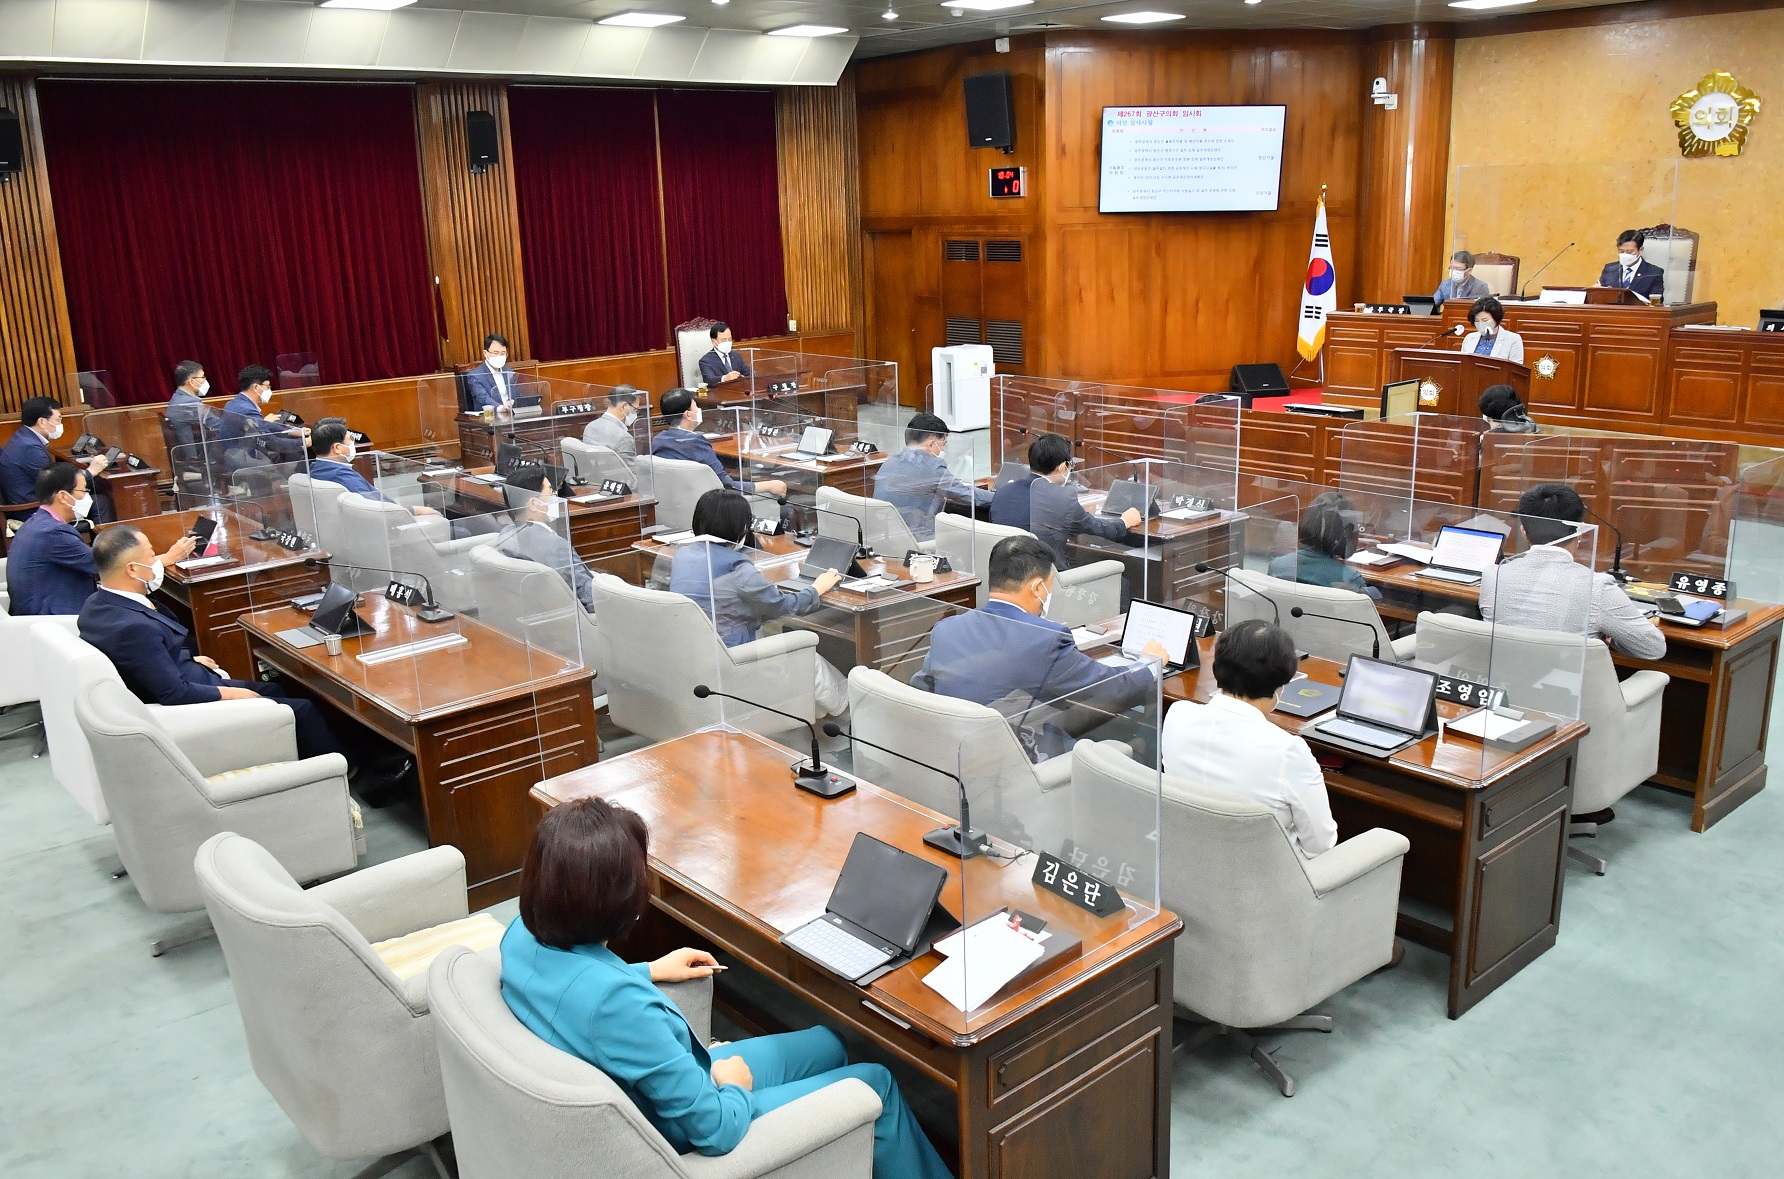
{"points": [[1005, 338], [960, 251], [1005, 251], [962, 331]]}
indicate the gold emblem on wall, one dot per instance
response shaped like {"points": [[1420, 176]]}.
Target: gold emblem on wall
{"points": [[1714, 115], [1547, 367], [1428, 391]]}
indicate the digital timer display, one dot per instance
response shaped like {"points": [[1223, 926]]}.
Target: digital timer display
{"points": [[1009, 182]]}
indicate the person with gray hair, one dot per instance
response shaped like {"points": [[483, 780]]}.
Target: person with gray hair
{"points": [[613, 429], [1461, 283]]}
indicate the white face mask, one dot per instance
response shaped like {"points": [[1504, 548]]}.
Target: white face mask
{"points": [[1485, 326], [691, 419], [631, 416], [552, 509], [82, 506], [156, 573], [204, 387], [1457, 275], [348, 457], [53, 431], [497, 361], [1628, 260], [266, 395], [1046, 599], [723, 346]]}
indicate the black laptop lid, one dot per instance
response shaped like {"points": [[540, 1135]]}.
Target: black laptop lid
{"points": [[1129, 493], [827, 552], [886, 892], [334, 611]]}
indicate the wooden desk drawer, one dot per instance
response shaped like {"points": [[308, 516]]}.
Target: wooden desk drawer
{"points": [[1040, 1052]]}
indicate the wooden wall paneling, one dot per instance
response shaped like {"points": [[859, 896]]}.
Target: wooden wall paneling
{"points": [[891, 328], [1406, 161], [36, 345], [473, 222], [821, 204]]}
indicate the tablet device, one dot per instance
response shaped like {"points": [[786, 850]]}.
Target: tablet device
{"points": [[1174, 628]]}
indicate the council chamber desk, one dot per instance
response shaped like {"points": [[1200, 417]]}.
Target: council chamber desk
{"points": [[852, 473], [1063, 1073], [1483, 880], [485, 720], [134, 491], [598, 530], [478, 435]]}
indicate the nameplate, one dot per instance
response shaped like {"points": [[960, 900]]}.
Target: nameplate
{"points": [[1386, 309], [568, 407], [1195, 503], [772, 431], [786, 386], [1457, 690], [1772, 325], [295, 542], [862, 446], [1076, 885], [614, 487], [404, 594], [1719, 588], [765, 527]]}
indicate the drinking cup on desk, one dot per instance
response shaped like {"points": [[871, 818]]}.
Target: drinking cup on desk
{"points": [[922, 570], [332, 644], [489, 413]]}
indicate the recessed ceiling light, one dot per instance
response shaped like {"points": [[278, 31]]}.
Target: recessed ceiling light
{"points": [[1143, 18], [1254, 1], [807, 31], [889, 14], [369, 5], [640, 20], [721, 2], [985, 5], [1486, 3]]}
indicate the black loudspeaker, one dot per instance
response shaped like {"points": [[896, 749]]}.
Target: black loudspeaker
{"points": [[1258, 380], [12, 143], [989, 122], [480, 139]]}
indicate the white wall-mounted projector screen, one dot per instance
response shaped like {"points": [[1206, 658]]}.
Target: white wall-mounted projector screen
{"points": [[1191, 159]]}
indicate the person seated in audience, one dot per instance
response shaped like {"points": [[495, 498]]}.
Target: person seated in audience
{"points": [[248, 438], [186, 411], [1632, 271], [1054, 513], [1231, 744], [532, 537], [332, 451], [1545, 588], [27, 455], [585, 881], [613, 429], [717, 573], [1488, 338], [1007, 656], [1010, 503], [49, 568], [1461, 283], [721, 365], [1505, 414], [1327, 538], [490, 383], [917, 480], [681, 439]]}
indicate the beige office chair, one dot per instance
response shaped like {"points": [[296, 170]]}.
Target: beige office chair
{"points": [[313, 508], [533, 603], [691, 343], [1266, 934], [23, 683], [1565, 675], [164, 803], [342, 1040], [678, 485], [882, 528], [5, 593], [1498, 271], [519, 1106], [653, 647], [1674, 250], [1250, 595], [385, 536], [596, 464], [1084, 593]]}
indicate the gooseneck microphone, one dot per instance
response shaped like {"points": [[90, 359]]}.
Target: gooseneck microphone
{"points": [[1616, 570], [1460, 329], [566, 486], [1204, 567], [1374, 636], [809, 776], [428, 611], [861, 550], [1543, 267], [959, 840]]}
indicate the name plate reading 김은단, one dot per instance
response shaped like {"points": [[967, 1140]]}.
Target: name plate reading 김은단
{"points": [[1076, 886]]}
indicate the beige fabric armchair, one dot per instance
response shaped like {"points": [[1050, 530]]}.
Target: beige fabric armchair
{"points": [[596, 463], [1081, 594], [19, 655], [520, 1107], [882, 528], [1250, 593], [386, 536], [678, 485]]}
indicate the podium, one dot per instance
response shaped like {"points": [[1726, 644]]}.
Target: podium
{"points": [[1459, 376]]}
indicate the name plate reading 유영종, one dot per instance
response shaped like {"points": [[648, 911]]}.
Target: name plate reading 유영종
{"points": [[1701, 585]]}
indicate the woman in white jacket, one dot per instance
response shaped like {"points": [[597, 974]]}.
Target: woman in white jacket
{"points": [[1488, 338]]}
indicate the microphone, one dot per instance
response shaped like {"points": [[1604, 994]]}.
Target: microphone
{"points": [[810, 776], [1617, 572], [565, 486], [959, 840], [1204, 567], [1544, 267], [264, 533], [1460, 329], [861, 549], [429, 611], [1374, 636]]}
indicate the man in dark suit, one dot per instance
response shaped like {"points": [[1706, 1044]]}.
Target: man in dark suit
{"points": [[49, 569], [490, 383], [332, 451], [250, 439], [27, 453], [1005, 655], [681, 439], [1632, 271], [1054, 514], [186, 411], [721, 364]]}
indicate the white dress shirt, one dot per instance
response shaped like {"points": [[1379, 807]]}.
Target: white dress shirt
{"points": [[1231, 746], [1545, 588]]}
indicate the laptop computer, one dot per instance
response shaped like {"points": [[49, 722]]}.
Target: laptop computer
{"points": [[826, 552], [813, 443], [1129, 493], [1461, 555], [1384, 706], [1175, 629], [1420, 304], [877, 911]]}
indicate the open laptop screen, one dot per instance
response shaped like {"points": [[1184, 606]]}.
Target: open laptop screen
{"points": [[1389, 694], [1473, 549], [886, 891], [1174, 628]]}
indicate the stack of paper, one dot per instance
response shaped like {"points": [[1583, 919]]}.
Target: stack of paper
{"points": [[980, 960]]}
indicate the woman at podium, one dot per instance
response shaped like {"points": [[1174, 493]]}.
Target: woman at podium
{"points": [[1488, 338]]}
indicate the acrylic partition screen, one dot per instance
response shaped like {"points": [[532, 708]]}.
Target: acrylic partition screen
{"points": [[1756, 537], [1417, 457]]}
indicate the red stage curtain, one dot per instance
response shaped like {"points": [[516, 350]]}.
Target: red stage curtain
{"points": [[226, 222], [721, 205], [591, 236]]}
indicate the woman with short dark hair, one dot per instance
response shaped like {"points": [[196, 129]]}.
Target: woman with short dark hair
{"points": [[1327, 539], [1489, 337], [1505, 413], [586, 880]]}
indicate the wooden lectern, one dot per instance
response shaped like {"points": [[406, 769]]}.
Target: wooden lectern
{"points": [[1460, 377]]}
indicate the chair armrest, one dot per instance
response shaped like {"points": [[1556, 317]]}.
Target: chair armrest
{"points": [[259, 781], [400, 896], [1405, 648], [231, 734], [1054, 772], [770, 646], [694, 999], [1355, 858], [437, 529], [1642, 687], [797, 1130], [464, 544], [1081, 574]]}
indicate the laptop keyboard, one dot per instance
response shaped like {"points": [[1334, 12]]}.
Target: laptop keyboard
{"points": [[1449, 575], [1362, 734], [841, 951]]}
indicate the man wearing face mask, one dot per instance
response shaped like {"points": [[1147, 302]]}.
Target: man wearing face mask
{"points": [[683, 440], [27, 455], [331, 449], [1461, 283], [247, 436], [1488, 338], [613, 429], [533, 537], [491, 383], [1054, 513], [1007, 656], [1631, 271], [721, 365], [186, 412], [917, 480], [49, 569]]}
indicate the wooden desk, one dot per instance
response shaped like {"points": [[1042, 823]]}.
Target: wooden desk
{"points": [[1488, 832], [477, 438], [135, 492], [1064, 1073], [853, 474], [1716, 707], [484, 721], [1165, 570], [210, 601], [1726, 384], [1460, 377], [600, 530]]}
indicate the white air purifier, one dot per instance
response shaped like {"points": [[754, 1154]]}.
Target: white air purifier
{"points": [[962, 384]]}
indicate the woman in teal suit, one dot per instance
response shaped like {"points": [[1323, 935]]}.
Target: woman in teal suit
{"points": [[586, 879]]}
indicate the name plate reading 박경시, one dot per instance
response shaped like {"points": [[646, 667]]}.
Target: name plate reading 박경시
{"points": [[1719, 588], [1076, 886]]}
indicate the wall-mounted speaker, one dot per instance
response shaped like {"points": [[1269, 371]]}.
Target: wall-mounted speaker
{"points": [[989, 119], [480, 139], [1258, 380], [12, 143]]}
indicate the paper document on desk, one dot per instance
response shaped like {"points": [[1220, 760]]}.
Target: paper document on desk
{"points": [[1371, 560], [202, 562], [675, 538], [1485, 724], [1088, 636], [877, 583], [987, 957], [1412, 552], [1186, 515]]}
